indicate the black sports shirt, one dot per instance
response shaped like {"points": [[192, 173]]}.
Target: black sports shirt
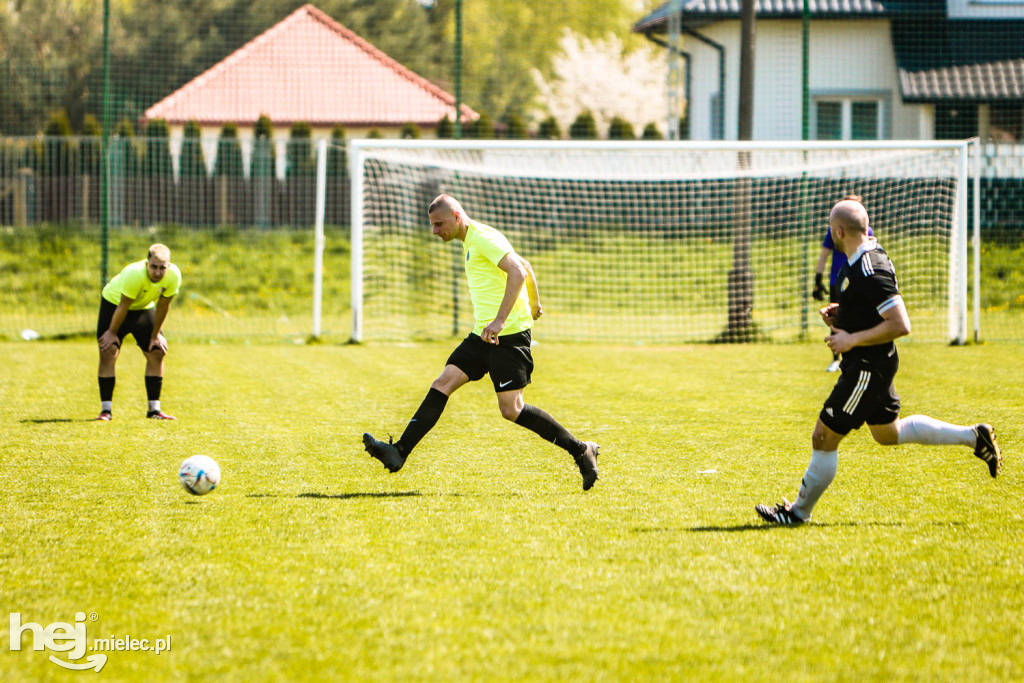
{"points": [[867, 289]]}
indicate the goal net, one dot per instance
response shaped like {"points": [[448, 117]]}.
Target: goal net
{"points": [[653, 242]]}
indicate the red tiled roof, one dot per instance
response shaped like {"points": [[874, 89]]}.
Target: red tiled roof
{"points": [[308, 68]]}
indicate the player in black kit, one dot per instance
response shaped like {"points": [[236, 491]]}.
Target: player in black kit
{"points": [[864, 323]]}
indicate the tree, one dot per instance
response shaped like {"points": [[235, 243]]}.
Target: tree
{"points": [[157, 172], [601, 76], [300, 161], [515, 127], [229, 153], [445, 129], [621, 129], [651, 132], [337, 154], [49, 49], [193, 163], [410, 131], [264, 156], [192, 186], [90, 165], [549, 129], [262, 170], [124, 155], [584, 127], [157, 161], [58, 155], [90, 153], [51, 54], [684, 124], [227, 169], [506, 39], [481, 129]]}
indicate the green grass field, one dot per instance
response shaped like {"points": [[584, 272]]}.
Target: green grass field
{"points": [[483, 559]]}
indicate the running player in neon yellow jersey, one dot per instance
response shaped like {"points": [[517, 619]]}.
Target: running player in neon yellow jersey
{"points": [[136, 302], [506, 301]]}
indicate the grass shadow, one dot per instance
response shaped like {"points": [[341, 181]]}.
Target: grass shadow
{"points": [[809, 525], [361, 494], [43, 421], [741, 527]]}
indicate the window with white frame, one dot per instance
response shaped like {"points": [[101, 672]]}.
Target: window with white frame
{"points": [[848, 118]]}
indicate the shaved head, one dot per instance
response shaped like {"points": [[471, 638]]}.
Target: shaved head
{"points": [[447, 203], [849, 214], [447, 218]]}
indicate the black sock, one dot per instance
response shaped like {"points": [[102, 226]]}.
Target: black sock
{"points": [[153, 386], [107, 388], [423, 421], [547, 427]]}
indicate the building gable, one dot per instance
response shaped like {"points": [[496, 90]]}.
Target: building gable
{"points": [[309, 68]]}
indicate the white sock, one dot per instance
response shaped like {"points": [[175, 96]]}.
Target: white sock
{"points": [[928, 430], [819, 474], [154, 405], [106, 406]]}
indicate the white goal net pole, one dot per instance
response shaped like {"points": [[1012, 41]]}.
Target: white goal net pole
{"points": [[958, 318], [318, 247], [976, 237], [641, 242], [355, 160]]}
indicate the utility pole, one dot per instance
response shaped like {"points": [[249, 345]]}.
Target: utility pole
{"points": [[458, 69], [105, 149], [741, 277], [675, 72]]}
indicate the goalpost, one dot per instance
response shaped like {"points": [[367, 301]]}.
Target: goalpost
{"points": [[654, 242]]}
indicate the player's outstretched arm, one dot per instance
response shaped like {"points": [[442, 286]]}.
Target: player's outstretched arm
{"points": [[532, 291], [819, 274]]}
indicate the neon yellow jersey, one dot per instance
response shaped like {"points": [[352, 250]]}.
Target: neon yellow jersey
{"points": [[134, 283], [482, 250]]}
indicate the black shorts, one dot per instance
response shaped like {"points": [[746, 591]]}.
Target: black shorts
{"points": [[139, 324], [863, 393], [510, 361]]}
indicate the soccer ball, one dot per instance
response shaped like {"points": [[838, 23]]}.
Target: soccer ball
{"points": [[199, 474]]}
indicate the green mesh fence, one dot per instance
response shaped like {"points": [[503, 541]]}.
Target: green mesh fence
{"points": [[203, 134]]}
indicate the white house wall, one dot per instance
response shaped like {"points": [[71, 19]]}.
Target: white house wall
{"points": [[846, 57]]}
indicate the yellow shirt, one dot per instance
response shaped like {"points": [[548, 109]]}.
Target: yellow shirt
{"points": [[134, 283], [482, 250]]}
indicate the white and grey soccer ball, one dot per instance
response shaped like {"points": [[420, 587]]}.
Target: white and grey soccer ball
{"points": [[199, 474]]}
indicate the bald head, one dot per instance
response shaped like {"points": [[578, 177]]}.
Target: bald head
{"points": [[447, 204], [850, 215], [448, 218]]}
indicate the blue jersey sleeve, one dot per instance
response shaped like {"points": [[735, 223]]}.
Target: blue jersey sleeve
{"points": [[828, 243]]}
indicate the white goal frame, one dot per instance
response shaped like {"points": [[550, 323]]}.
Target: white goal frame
{"points": [[359, 150]]}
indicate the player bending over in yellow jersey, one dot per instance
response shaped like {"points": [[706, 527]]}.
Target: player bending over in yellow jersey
{"points": [[136, 302], [506, 301]]}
